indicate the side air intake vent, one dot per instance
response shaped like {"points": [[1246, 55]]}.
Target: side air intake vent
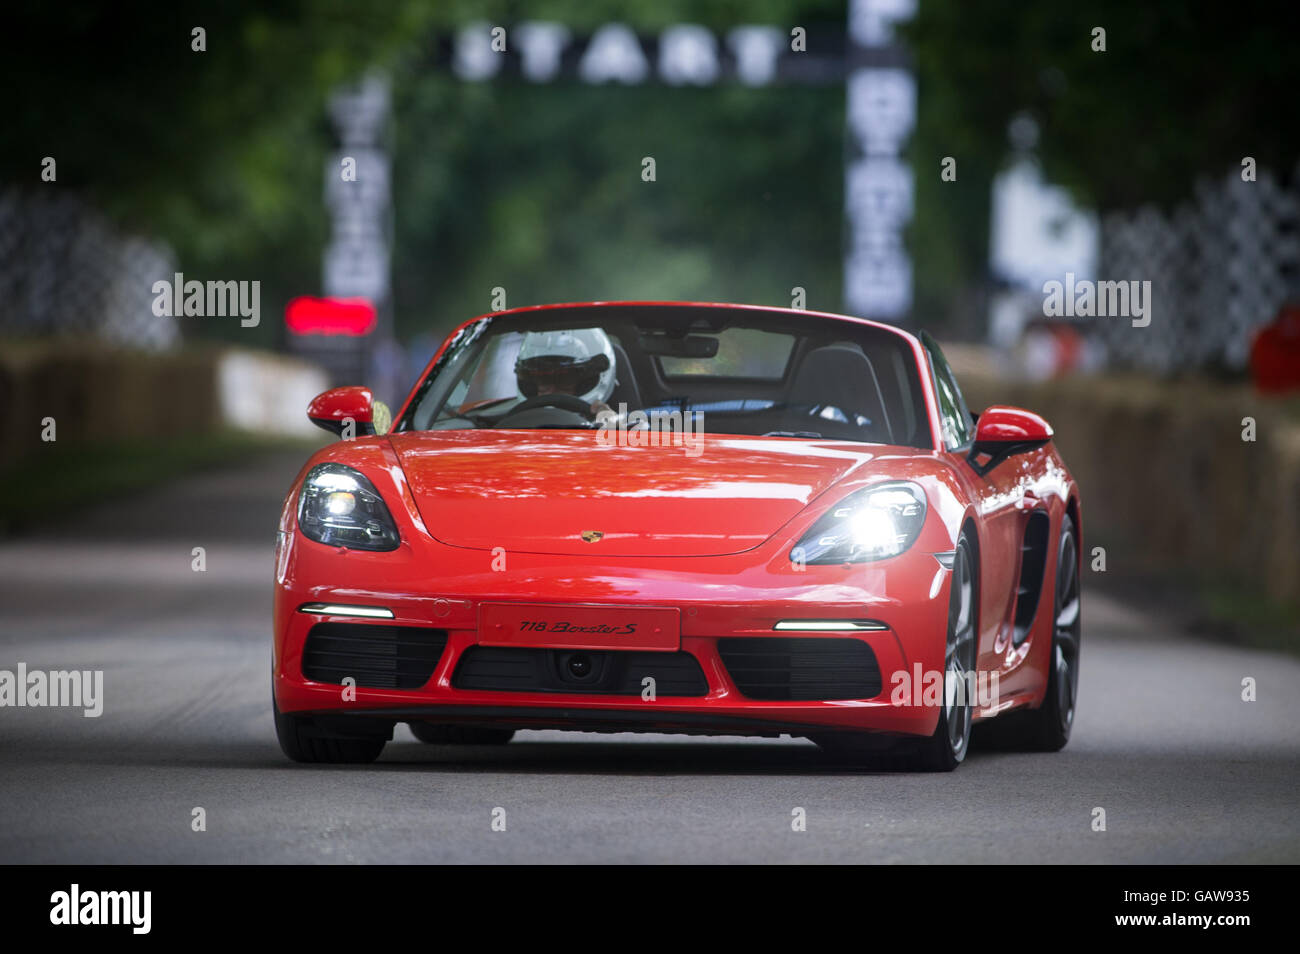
{"points": [[378, 657], [814, 668], [1033, 561]]}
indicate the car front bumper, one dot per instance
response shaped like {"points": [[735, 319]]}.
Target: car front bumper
{"points": [[438, 592]]}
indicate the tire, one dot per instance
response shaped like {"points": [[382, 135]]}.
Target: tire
{"points": [[947, 748], [1048, 727], [432, 733], [302, 742]]}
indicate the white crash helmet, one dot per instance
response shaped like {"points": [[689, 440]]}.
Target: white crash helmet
{"points": [[578, 361]]}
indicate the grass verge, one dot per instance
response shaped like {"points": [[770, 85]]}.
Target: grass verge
{"points": [[58, 481]]}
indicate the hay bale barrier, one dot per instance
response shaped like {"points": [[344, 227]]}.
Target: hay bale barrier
{"points": [[1168, 482]]}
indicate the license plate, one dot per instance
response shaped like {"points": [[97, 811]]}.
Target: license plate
{"points": [[550, 626]]}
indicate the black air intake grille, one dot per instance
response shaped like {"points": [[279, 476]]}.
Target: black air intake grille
{"points": [[776, 668], [611, 672], [1033, 561], [378, 657]]}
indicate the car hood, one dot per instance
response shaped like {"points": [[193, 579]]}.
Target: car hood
{"points": [[541, 491]]}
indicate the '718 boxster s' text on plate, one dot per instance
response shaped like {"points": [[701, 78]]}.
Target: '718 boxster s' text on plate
{"points": [[672, 517]]}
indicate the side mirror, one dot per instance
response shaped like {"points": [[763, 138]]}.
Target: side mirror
{"points": [[333, 409], [1002, 432]]}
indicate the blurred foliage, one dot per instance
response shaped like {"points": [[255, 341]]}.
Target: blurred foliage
{"points": [[538, 189], [218, 152], [534, 188], [1184, 89], [58, 483]]}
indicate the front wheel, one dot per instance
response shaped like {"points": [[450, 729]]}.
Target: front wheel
{"points": [[301, 741], [947, 748]]}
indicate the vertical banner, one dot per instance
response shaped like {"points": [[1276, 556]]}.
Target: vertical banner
{"points": [[879, 186], [355, 266]]}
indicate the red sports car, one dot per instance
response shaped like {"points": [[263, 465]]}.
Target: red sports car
{"points": [[675, 517]]}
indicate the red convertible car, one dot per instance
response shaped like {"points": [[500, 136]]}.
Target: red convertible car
{"points": [[675, 517]]}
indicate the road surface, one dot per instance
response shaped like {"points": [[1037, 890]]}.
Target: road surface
{"points": [[1185, 770]]}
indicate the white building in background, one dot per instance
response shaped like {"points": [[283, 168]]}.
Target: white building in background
{"points": [[1038, 234]]}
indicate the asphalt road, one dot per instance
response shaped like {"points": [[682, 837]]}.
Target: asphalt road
{"points": [[1185, 770]]}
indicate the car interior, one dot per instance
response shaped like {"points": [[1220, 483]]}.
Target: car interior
{"points": [[834, 388], [811, 378]]}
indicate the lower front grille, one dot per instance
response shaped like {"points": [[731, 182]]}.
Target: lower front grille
{"points": [[378, 657], [612, 672], [778, 668]]}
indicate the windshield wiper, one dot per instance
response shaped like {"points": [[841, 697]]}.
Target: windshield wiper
{"points": [[813, 434]]}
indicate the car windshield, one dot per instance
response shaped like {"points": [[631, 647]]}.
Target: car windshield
{"points": [[745, 371]]}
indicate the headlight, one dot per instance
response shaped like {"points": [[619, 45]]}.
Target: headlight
{"points": [[870, 524], [339, 506]]}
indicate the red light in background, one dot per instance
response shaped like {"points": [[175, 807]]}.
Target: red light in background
{"points": [[330, 316]]}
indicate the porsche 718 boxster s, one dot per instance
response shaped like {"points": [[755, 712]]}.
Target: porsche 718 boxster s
{"points": [[678, 517]]}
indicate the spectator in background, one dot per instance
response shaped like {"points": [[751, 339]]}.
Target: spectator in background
{"points": [[1275, 353]]}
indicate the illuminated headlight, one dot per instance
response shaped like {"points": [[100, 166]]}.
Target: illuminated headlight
{"points": [[871, 524], [339, 506]]}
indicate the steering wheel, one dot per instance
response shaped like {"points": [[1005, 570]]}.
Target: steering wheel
{"points": [[564, 402]]}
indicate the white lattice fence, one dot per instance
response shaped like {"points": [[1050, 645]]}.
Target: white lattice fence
{"points": [[66, 270], [1220, 266]]}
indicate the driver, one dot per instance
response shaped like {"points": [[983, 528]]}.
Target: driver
{"points": [[578, 362]]}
